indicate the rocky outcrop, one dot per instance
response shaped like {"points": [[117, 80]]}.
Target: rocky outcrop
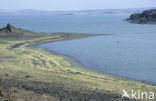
{"points": [[8, 28], [148, 16], [12, 32], [11, 29]]}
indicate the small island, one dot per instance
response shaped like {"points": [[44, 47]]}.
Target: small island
{"points": [[147, 16]]}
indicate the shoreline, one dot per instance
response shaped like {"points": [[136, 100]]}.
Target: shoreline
{"points": [[76, 63]]}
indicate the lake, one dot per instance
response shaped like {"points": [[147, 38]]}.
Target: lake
{"points": [[129, 52]]}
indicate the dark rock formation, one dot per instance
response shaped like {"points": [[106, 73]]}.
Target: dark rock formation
{"points": [[148, 16], [9, 28]]}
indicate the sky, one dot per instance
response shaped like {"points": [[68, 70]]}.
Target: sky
{"points": [[57, 5]]}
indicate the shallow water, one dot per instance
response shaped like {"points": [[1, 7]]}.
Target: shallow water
{"points": [[129, 52]]}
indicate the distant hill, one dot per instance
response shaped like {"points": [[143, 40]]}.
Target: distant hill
{"points": [[94, 11]]}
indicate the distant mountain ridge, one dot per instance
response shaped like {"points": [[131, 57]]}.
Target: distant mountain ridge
{"points": [[93, 11]]}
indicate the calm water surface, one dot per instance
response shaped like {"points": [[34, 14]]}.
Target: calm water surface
{"points": [[129, 52]]}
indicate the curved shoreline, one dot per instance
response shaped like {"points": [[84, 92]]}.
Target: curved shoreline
{"points": [[76, 63]]}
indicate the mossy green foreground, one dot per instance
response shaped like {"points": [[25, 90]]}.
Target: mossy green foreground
{"points": [[41, 75]]}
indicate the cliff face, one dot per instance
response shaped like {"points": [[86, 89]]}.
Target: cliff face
{"points": [[148, 16]]}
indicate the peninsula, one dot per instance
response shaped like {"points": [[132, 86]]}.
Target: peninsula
{"points": [[28, 73]]}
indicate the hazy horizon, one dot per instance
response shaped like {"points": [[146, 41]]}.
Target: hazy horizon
{"points": [[75, 10], [71, 5]]}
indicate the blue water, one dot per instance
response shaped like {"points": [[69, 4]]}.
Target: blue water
{"points": [[96, 24], [132, 56], [129, 52]]}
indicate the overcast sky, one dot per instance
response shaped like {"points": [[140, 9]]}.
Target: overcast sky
{"points": [[75, 4]]}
